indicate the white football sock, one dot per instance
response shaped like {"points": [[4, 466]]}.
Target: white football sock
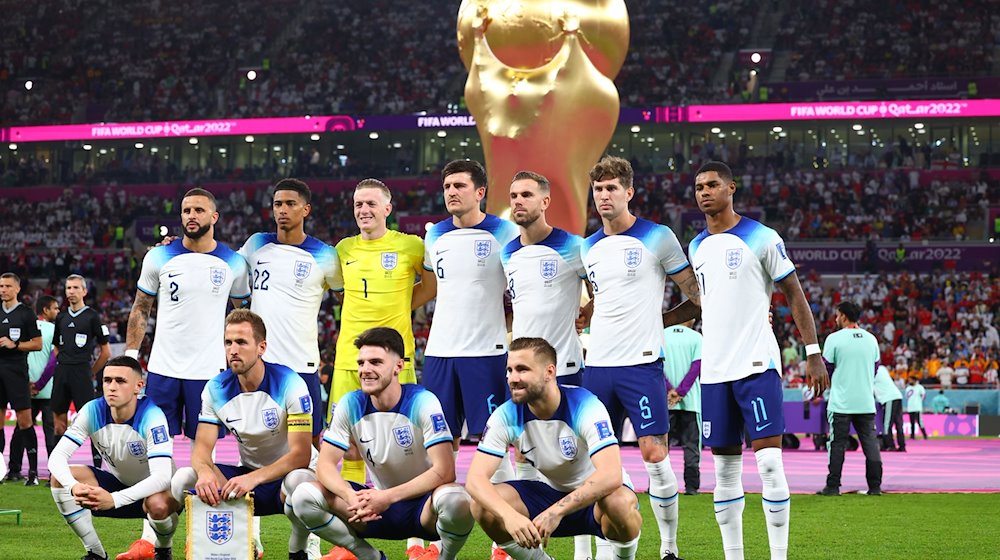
{"points": [[729, 503], [79, 519], [776, 500], [663, 499]]}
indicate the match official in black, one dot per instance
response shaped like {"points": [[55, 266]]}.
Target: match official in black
{"points": [[853, 355], [19, 335], [78, 332]]}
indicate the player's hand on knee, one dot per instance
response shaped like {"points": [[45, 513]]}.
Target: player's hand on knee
{"points": [[523, 531]]}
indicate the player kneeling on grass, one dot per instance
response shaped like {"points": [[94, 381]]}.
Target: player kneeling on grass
{"points": [[403, 437], [131, 434], [566, 433], [268, 410]]}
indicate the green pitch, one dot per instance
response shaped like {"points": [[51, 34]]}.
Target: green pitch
{"points": [[903, 526]]}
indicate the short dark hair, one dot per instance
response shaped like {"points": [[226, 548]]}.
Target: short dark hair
{"points": [[725, 173], [850, 310], [541, 347], [295, 185], [612, 167], [43, 303], [543, 182], [244, 315], [386, 338], [472, 167], [128, 362], [12, 276], [198, 191]]}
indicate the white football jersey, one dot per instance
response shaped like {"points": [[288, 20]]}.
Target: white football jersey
{"points": [[560, 447], [468, 316], [192, 291], [127, 447], [627, 272], [288, 283], [393, 444], [259, 420], [545, 282], [736, 271]]}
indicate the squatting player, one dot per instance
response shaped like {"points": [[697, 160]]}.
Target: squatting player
{"points": [[628, 261], [401, 432], [268, 410], [737, 261], [566, 432], [131, 433]]}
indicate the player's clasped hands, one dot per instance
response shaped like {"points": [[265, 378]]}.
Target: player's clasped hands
{"points": [[523, 530], [238, 486], [93, 497], [369, 505], [207, 489]]}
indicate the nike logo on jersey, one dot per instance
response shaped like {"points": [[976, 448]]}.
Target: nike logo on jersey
{"points": [[699, 266], [229, 420], [591, 265], [263, 262], [523, 452], [645, 425], [762, 426], [172, 274], [363, 440], [350, 262], [439, 251]]}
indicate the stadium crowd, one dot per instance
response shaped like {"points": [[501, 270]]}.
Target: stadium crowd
{"points": [[833, 40], [162, 60]]}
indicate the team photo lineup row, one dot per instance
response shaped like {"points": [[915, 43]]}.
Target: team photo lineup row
{"points": [[466, 262]]}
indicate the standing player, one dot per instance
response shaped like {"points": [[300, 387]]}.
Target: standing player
{"points": [[891, 399], [19, 335], [545, 279], [132, 435], [41, 365], [268, 410], [78, 332], [379, 267], [465, 356], [567, 433], [737, 261], [402, 433], [853, 354], [915, 406], [191, 280], [682, 367], [628, 261], [290, 272]]}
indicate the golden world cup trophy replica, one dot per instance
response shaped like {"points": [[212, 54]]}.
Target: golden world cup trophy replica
{"points": [[541, 90]]}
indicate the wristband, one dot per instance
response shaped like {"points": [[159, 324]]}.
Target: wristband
{"points": [[812, 349], [132, 353]]}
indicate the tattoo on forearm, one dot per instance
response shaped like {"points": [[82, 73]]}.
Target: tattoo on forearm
{"points": [[138, 319], [691, 290]]}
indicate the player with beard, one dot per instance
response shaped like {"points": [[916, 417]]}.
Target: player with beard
{"points": [[191, 279], [567, 433]]}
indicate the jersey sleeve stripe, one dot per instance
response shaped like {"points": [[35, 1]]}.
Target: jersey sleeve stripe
{"points": [[678, 269], [208, 420], [490, 452], [434, 442], [155, 455], [785, 275], [604, 445], [73, 439], [336, 443], [244, 296], [145, 291], [428, 269]]}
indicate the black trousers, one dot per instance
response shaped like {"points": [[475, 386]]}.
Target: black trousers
{"points": [[685, 426], [48, 428], [893, 420], [864, 425]]}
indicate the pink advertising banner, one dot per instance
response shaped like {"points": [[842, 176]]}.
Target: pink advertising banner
{"points": [[176, 129], [831, 110]]}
